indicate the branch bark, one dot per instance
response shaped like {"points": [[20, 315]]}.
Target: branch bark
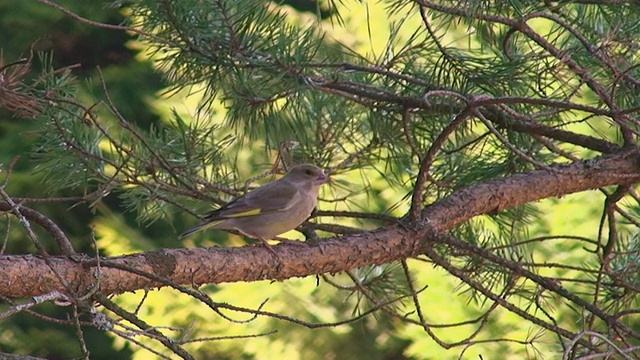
{"points": [[29, 275]]}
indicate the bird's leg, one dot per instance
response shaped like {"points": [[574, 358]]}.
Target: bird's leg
{"points": [[268, 246], [289, 241]]}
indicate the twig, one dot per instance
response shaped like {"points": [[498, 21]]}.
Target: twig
{"points": [[567, 354], [429, 158]]}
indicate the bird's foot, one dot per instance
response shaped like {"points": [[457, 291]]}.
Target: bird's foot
{"points": [[292, 242], [270, 248]]}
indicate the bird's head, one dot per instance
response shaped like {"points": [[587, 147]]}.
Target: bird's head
{"points": [[307, 174]]}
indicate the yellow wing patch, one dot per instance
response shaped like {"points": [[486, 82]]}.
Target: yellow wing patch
{"points": [[251, 212]]}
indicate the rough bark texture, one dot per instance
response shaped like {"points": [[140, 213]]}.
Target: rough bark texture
{"points": [[28, 275]]}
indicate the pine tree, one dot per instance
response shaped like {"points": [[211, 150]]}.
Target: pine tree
{"points": [[483, 158]]}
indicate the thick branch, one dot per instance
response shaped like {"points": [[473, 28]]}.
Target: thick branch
{"points": [[28, 275], [503, 193]]}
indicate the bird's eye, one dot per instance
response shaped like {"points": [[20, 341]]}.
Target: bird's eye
{"points": [[309, 172]]}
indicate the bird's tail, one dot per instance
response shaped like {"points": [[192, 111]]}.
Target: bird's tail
{"points": [[199, 227], [189, 232]]}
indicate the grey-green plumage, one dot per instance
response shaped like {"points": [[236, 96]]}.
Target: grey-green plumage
{"points": [[271, 209]]}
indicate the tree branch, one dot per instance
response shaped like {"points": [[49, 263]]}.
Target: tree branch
{"points": [[28, 275]]}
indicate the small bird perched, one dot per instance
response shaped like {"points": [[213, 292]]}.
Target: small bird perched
{"points": [[271, 209]]}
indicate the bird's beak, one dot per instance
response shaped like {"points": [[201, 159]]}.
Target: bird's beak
{"points": [[321, 179]]}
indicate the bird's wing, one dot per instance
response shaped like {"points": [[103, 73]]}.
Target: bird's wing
{"points": [[268, 198]]}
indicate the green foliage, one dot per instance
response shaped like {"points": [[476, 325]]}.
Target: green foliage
{"points": [[261, 77], [54, 41], [58, 156]]}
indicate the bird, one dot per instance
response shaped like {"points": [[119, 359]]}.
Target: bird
{"points": [[271, 209]]}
